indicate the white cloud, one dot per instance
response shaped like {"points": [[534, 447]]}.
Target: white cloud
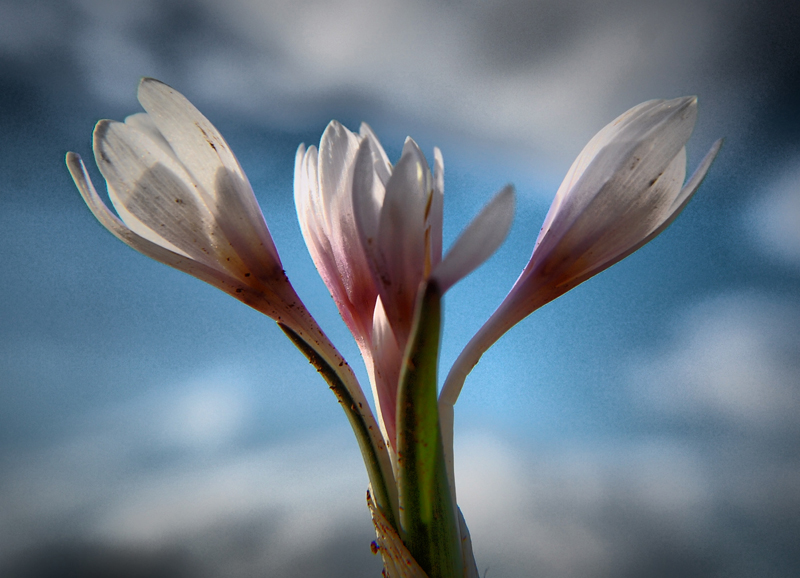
{"points": [[596, 508], [734, 358], [775, 218], [574, 510], [541, 77], [164, 469]]}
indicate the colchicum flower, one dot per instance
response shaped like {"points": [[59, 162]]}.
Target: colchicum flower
{"points": [[375, 234], [624, 189], [183, 199]]}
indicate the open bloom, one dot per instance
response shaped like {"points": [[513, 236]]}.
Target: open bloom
{"points": [[625, 187], [375, 233]]}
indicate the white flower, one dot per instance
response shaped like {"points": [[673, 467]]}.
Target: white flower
{"points": [[183, 199], [375, 233], [624, 189]]}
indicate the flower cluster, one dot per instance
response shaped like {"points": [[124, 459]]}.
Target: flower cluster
{"points": [[374, 231]]}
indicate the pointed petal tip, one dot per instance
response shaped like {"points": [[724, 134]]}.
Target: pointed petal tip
{"points": [[479, 241]]}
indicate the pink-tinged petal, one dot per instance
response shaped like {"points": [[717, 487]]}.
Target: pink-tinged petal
{"points": [[387, 359], [312, 225], [337, 154], [400, 262], [623, 190], [223, 185], [479, 241]]}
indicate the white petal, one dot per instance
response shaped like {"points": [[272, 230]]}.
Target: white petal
{"points": [[680, 202], [141, 121], [435, 218], [383, 168], [387, 359], [337, 154], [147, 183], [312, 226], [368, 195], [143, 245], [620, 161], [479, 241], [400, 267], [223, 185], [589, 251]]}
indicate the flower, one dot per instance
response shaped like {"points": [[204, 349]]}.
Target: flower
{"points": [[374, 232], [623, 190], [183, 199]]}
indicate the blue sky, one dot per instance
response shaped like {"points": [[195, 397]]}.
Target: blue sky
{"points": [[644, 424]]}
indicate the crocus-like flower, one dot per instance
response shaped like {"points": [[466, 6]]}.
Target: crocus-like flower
{"points": [[183, 199], [624, 188], [375, 233]]}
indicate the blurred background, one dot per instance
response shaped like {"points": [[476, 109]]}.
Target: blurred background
{"points": [[645, 424]]}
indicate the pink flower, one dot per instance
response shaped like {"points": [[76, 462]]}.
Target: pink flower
{"points": [[625, 187], [183, 199], [375, 233]]}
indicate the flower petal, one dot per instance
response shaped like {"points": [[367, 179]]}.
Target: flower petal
{"points": [[479, 241], [224, 186], [141, 121], [623, 157], [145, 246], [436, 214], [337, 155], [387, 359], [383, 168], [148, 184], [400, 259], [680, 202], [645, 212], [369, 191], [313, 227]]}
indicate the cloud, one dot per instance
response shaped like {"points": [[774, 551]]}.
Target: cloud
{"points": [[538, 76], [775, 217], [113, 497], [732, 359], [168, 473]]}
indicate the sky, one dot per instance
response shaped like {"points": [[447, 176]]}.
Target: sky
{"points": [[644, 424]]}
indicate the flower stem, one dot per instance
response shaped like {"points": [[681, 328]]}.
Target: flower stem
{"points": [[362, 425]]}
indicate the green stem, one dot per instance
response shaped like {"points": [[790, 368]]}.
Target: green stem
{"points": [[353, 411], [427, 514]]}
